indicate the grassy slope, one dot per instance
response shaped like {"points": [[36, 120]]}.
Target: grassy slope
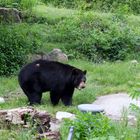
{"points": [[53, 15], [101, 79], [52, 12]]}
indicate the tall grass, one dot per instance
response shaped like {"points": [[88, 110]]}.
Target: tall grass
{"points": [[125, 6], [97, 36], [24, 4], [101, 79], [98, 127], [20, 134], [28, 4]]}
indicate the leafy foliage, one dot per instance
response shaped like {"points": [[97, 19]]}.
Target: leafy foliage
{"points": [[98, 127], [96, 37], [16, 41], [88, 126], [22, 4], [125, 6]]}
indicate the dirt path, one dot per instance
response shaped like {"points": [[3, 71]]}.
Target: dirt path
{"points": [[114, 104]]}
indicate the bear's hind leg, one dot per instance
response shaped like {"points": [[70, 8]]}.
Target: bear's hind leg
{"points": [[33, 94], [35, 98], [54, 98]]}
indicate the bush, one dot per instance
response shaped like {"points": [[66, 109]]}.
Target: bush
{"points": [[96, 37], [16, 42], [88, 126], [62, 3], [28, 4], [20, 4], [127, 6], [99, 127]]}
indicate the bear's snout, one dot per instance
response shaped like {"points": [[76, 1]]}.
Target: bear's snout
{"points": [[81, 85]]}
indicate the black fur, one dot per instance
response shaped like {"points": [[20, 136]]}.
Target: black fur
{"points": [[42, 75]]}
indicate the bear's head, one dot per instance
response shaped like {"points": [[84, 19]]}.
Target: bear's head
{"points": [[79, 78]]}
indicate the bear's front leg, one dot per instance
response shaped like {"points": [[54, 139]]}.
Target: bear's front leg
{"points": [[67, 101], [67, 97]]}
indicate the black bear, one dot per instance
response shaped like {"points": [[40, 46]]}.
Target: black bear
{"points": [[58, 78]]}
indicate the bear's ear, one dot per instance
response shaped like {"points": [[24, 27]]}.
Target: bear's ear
{"points": [[74, 71], [85, 71]]}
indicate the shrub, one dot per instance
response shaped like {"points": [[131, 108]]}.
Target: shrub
{"points": [[20, 4], [88, 126], [96, 37], [126, 6], [28, 4], [6, 3], [99, 127], [61, 3], [16, 42]]}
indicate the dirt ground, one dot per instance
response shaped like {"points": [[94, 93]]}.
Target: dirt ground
{"points": [[115, 105]]}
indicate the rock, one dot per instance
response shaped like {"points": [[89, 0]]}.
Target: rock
{"points": [[90, 108], [17, 115], [28, 117], [55, 124], [55, 135], [61, 115], [10, 15], [43, 121], [135, 62], [57, 55], [132, 119], [54, 55], [37, 56], [2, 100]]}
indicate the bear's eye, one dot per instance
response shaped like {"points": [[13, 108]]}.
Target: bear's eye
{"points": [[83, 79]]}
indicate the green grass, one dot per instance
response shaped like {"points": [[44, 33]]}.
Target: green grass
{"points": [[60, 30], [116, 130], [52, 12], [102, 79], [19, 134], [105, 78]]}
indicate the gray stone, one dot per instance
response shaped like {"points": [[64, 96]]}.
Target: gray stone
{"points": [[61, 115], [2, 100], [135, 62], [54, 55], [10, 15], [45, 126], [55, 125], [57, 55], [90, 108]]}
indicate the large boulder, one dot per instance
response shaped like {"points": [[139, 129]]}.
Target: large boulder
{"points": [[10, 15], [54, 55], [29, 117], [60, 115], [57, 55]]}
